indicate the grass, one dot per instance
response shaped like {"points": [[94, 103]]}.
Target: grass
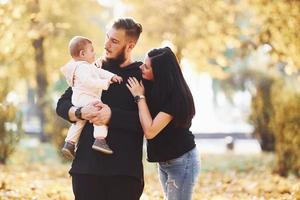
{"points": [[36, 172], [239, 163]]}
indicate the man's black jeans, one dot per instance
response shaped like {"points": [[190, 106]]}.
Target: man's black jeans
{"points": [[93, 187]]}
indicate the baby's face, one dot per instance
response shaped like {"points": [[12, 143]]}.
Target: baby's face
{"points": [[89, 54]]}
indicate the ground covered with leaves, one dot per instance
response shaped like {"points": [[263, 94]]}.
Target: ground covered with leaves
{"points": [[223, 177]]}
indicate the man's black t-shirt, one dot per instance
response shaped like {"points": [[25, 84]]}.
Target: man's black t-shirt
{"points": [[125, 135]]}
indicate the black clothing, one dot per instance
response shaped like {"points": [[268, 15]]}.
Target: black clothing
{"points": [[125, 135], [172, 141], [91, 187]]}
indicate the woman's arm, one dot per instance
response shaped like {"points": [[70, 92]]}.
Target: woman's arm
{"points": [[151, 127]]}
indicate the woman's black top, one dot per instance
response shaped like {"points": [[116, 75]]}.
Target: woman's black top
{"points": [[172, 141]]}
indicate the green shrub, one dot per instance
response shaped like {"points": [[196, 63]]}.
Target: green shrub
{"points": [[56, 129], [10, 130], [285, 125], [261, 113]]}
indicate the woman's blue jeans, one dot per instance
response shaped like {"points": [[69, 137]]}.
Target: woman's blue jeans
{"points": [[179, 176]]}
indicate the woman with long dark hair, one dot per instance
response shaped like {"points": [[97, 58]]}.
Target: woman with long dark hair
{"points": [[166, 109]]}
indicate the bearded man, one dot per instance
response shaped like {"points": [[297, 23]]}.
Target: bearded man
{"points": [[119, 175]]}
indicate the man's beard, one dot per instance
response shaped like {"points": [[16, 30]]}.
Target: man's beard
{"points": [[119, 59]]}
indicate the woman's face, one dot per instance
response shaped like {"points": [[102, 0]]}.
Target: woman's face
{"points": [[146, 68]]}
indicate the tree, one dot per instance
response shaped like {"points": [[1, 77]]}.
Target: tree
{"points": [[10, 123], [279, 27], [35, 34], [200, 31]]}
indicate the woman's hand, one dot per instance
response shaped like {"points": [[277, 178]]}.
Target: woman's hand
{"points": [[135, 87]]}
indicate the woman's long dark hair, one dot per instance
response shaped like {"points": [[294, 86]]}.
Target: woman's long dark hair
{"points": [[170, 87]]}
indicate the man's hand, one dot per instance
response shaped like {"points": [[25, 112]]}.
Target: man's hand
{"points": [[103, 115], [90, 111]]}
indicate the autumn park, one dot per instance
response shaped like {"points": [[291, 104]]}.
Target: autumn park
{"points": [[240, 58]]}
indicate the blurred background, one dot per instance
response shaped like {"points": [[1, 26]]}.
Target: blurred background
{"points": [[241, 59]]}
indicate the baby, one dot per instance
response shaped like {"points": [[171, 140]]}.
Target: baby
{"points": [[87, 80]]}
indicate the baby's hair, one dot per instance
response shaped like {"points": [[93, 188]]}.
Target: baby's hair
{"points": [[77, 44]]}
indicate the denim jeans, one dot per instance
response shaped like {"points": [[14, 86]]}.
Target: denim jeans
{"points": [[179, 176]]}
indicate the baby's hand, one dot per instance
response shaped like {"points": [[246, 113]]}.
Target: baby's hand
{"points": [[99, 62], [116, 79]]}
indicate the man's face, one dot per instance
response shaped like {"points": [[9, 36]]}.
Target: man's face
{"points": [[115, 44]]}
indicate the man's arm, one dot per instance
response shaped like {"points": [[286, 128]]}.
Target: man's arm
{"points": [[113, 117], [128, 120], [65, 108], [117, 118]]}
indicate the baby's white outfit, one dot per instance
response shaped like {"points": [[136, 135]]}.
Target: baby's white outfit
{"points": [[87, 82]]}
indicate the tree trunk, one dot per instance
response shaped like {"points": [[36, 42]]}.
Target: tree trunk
{"points": [[40, 68], [41, 80]]}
